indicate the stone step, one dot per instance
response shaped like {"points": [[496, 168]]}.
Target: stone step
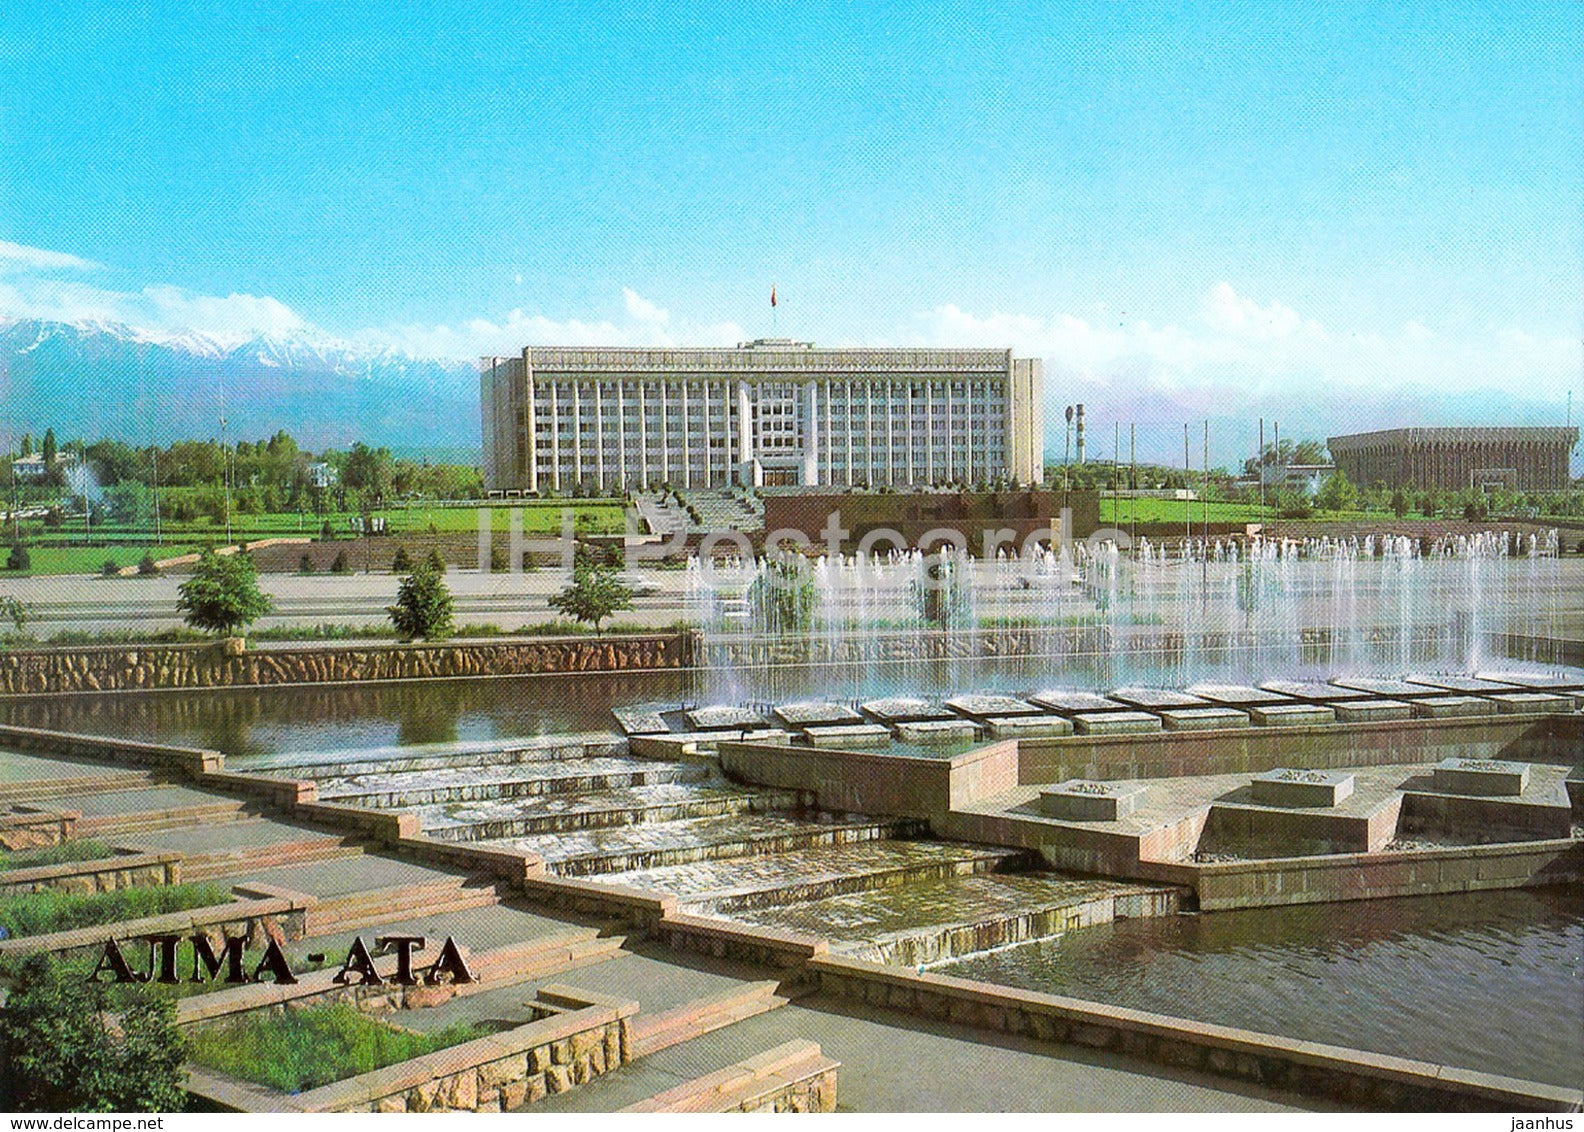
{"points": [[660, 844], [727, 887], [175, 817], [47, 792], [564, 813], [437, 756], [383, 905], [933, 921], [468, 784], [229, 860], [652, 1033]]}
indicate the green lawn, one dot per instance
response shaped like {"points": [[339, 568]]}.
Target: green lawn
{"points": [[40, 913], [1116, 512], [85, 849], [303, 1049]]}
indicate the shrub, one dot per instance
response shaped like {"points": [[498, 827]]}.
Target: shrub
{"points": [[223, 596], [147, 567], [402, 563], [435, 561], [59, 1051], [340, 565], [305, 564], [109, 569], [19, 558], [423, 605], [326, 532]]}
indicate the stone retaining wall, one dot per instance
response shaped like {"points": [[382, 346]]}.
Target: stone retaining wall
{"points": [[114, 668], [792, 1077], [585, 1038], [1374, 1082], [32, 827], [123, 870]]}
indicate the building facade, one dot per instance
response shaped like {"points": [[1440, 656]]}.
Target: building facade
{"points": [[769, 412], [1452, 459]]}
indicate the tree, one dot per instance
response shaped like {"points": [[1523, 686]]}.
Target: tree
{"points": [[1337, 493], [223, 596], [147, 567], [19, 559], [305, 564], [13, 610], [595, 593], [402, 563], [1399, 503], [340, 565], [130, 503], [423, 605], [435, 561], [50, 450], [368, 470], [60, 1051]]}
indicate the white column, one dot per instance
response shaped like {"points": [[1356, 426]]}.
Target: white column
{"points": [[687, 452], [621, 433], [555, 435], [599, 432], [811, 437], [643, 430], [577, 433], [665, 433]]}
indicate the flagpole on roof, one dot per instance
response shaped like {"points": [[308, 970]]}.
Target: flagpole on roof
{"points": [[774, 322]]}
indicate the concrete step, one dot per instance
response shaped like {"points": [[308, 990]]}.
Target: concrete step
{"points": [[383, 905], [468, 784], [726, 887], [176, 817], [660, 844], [564, 813], [437, 756], [933, 921], [651, 1033], [239, 847]]}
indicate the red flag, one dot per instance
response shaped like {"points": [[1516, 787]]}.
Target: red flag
{"points": [[772, 294]]}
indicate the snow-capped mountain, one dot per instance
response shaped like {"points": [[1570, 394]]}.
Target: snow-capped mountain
{"points": [[104, 379]]}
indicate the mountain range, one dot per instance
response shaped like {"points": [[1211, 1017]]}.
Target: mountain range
{"points": [[102, 379]]}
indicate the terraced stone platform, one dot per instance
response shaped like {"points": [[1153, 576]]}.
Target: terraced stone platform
{"points": [[725, 887], [932, 921], [404, 789]]}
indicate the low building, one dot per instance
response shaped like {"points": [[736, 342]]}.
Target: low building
{"points": [[1453, 459], [1306, 479], [771, 412]]}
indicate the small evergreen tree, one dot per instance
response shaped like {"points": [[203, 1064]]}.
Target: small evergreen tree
{"points": [[423, 606], [326, 532], [223, 596], [595, 593], [340, 565], [402, 563], [109, 569], [60, 1051], [305, 564], [19, 559], [13, 610], [435, 561], [147, 567]]}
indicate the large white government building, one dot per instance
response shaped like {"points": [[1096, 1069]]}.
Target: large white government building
{"points": [[768, 412]]}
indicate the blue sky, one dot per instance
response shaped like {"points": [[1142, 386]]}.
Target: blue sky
{"points": [[1184, 196]]}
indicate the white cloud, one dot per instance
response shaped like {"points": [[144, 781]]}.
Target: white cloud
{"points": [[646, 323], [231, 316], [1250, 349], [18, 257]]}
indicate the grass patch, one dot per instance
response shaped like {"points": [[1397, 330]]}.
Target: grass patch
{"points": [[84, 850], [39, 913], [303, 1049]]}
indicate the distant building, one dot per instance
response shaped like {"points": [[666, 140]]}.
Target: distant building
{"points": [[769, 412], [1306, 479], [1452, 459], [322, 475], [33, 469]]}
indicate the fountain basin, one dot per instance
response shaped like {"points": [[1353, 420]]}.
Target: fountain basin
{"points": [[724, 717], [1237, 695], [1484, 777], [987, 706], [1080, 800], [1457, 683], [1315, 690], [815, 714], [1203, 719], [936, 730], [1290, 786], [1447, 707], [848, 735], [1156, 698], [1292, 715], [904, 709], [1115, 722], [1068, 702], [1381, 686], [1029, 726], [1544, 703], [1372, 711]]}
